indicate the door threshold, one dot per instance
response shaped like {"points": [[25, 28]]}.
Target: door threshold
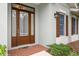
{"points": [[22, 46]]}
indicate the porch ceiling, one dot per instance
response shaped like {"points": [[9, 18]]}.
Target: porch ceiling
{"points": [[71, 5], [74, 7]]}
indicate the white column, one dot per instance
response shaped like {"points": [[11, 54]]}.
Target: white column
{"points": [[3, 23]]}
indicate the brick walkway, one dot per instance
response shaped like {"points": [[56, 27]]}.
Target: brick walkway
{"points": [[75, 45], [27, 51]]}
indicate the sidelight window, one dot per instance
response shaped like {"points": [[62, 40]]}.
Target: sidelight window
{"points": [[61, 24]]}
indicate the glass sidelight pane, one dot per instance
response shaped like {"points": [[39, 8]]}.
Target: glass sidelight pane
{"points": [[61, 24], [74, 25], [13, 23], [32, 24], [23, 24]]}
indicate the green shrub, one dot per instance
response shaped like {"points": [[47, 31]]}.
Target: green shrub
{"points": [[74, 54], [2, 50], [59, 50]]}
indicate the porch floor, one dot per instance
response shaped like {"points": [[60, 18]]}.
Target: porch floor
{"points": [[27, 51]]}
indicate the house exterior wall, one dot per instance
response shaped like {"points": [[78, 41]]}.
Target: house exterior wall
{"points": [[3, 23], [75, 37], [64, 39], [47, 29], [47, 24]]}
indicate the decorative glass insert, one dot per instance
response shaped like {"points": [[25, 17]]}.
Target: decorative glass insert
{"points": [[19, 6], [13, 23], [61, 24], [23, 24]]}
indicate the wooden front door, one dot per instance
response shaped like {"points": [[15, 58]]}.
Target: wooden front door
{"points": [[23, 31]]}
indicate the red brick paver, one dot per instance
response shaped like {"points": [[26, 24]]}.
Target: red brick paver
{"points": [[27, 51]]}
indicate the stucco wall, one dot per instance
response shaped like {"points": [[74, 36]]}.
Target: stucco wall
{"points": [[47, 24]]}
